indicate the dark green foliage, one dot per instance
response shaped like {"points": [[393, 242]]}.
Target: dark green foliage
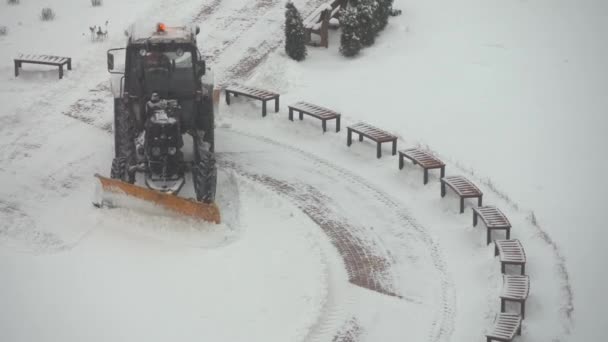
{"points": [[368, 27], [295, 43], [47, 14], [350, 44], [383, 12]]}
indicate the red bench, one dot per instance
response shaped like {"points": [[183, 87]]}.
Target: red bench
{"points": [[426, 160], [318, 112], [505, 327], [463, 188], [515, 288], [510, 252], [493, 219], [255, 93], [373, 133], [44, 60]]}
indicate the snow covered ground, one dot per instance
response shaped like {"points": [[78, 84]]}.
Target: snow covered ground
{"points": [[321, 241]]}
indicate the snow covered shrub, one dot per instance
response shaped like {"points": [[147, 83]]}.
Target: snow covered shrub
{"points": [[382, 13], [367, 24], [96, 3], [395, 12], [3, 30], [350, 44], [13, 2], [295, 43], [47, 14]]}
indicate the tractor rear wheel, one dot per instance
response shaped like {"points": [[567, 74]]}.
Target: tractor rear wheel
{"points": [[124, 144], [204, 170]]}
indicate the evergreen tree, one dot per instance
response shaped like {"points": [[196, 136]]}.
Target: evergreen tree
{"points": [[295, 44], [366, 21], [383, 11], [350, 44]]}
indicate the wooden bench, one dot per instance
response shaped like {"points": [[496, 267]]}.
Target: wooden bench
{"points": [[463, 188], [318, 112], [505, 327], [373, 133], [318, 21], [43, 59], [511, 253], [515, 288], [493, 219], [255, 93], [426, 160]]}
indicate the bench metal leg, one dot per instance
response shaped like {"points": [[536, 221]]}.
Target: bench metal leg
{"points": [[337, 124], [442, 171], [61, 71], [401, 161], [276, 105], [227, 97], [502, 305], [394, 146], [324, 124], [502, 267], [442, 189], [479, 201], [522, 306], [379, 150], [263, 108], [495, 249], [461, 205], [426, 176], [508, 233], [69, 64], [349, 137], [523, 269], [291, 114], [489, 236], [17, 65], [474, 218], [360, 137], [301, 116]]}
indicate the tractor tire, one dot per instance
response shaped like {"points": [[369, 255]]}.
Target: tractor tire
{"points": [[206, 117], [204, 170], [125, 151]]}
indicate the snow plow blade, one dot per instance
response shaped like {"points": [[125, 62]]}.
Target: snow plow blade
{"points": [[174, 204]]}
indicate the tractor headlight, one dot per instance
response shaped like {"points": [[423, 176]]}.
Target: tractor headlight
{"points": [[172, 150], [156, 151]]}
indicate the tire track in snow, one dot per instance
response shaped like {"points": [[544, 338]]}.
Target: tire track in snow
{"points": [[365, 267], [443, 324]]}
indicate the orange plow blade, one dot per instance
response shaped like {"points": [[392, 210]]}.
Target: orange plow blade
{"points": [[182, 206]]}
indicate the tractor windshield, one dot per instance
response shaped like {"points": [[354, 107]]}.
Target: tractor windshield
{"points": [[169, 73]]}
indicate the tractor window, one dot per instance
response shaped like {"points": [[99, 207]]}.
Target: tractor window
{"points": [[169, 74]]}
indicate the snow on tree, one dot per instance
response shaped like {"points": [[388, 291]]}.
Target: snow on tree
{"points": [[382, 13], [367, 25], [350, 44], [295, 43]]}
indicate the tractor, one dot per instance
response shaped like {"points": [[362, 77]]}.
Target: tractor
{"points": [[165, 92]]}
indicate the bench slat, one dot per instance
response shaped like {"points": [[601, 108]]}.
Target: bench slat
{"points": [[461, 186], [314, 110], [515, 287], [511, 251], [492, 217], [251, 91], [505, 327]]}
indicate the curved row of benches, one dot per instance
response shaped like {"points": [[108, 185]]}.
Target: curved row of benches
{"points": [[510, 252]]}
